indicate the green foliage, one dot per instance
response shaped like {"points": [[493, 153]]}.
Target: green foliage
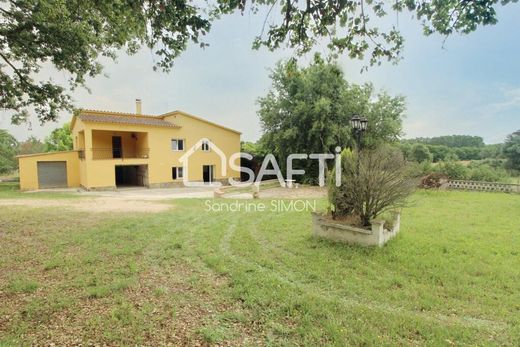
{"points": [[75, 35], [511, 150], [60, 139], [454, 170], [439, 152], [491, 151], [30, 146], [450, 141], [453, 147], [257, 149], [420, 153], [468, 153], [8, 148], [308, 110], [372, 182], [486, 173], [22, 285]]}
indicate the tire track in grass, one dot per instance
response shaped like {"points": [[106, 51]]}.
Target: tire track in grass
{"points": [[290, 279]]}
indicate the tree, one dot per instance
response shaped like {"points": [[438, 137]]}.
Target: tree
{"points": [[439, 152], [450, 141], [372, 182], [74, 35], [30, 146], [8, 146], [60, 139], [421, 153], [308, 110], [511, 150]]}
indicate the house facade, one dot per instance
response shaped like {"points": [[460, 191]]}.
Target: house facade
{"points": [[114, 149]]}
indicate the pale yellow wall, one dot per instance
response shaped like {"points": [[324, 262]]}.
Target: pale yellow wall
{"points": [[29, 168], [101, 173]]}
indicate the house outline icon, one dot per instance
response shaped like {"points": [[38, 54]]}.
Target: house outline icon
{"points": [[184, 160]]}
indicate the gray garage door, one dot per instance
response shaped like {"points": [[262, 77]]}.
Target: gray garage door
{"points": [[52, 174]]}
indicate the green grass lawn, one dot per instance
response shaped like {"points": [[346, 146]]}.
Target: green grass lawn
{"points": [[452, 276], [11, 190]]}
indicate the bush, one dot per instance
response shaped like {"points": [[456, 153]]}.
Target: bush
{"points": [[454, 170], [483, 172], [371, 183], [420, 153]]}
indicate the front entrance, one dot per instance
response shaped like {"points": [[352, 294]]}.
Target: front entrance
{"points": [[131, 176], [207, 173], [117, 148]]}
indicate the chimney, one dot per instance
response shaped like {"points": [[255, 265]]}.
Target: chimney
{"points": [[138, 106]]}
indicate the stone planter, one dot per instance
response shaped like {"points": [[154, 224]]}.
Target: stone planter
{"points": [[336, 231]]}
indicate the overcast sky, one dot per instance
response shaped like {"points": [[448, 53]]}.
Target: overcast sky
{"points": [[471, 86]]}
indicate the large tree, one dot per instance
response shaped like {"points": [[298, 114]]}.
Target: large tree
{"points": [[72, 35], [30, 146], [511, 150], [60, 139], [8, 147], [308, 110]]}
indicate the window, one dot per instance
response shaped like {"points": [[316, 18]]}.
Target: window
{"points": [[177, 145], [205, 146], [177, 172]]}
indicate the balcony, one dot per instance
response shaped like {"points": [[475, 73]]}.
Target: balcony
{"points": [[119, 153]]}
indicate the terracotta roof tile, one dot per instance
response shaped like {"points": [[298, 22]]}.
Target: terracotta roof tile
{"points": [[125, 119]]}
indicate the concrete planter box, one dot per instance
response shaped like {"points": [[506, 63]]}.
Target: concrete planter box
{"points": [[326, 228]]}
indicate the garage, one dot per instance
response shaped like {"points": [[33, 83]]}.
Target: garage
{"points": [[52, 174], [131, 176]]}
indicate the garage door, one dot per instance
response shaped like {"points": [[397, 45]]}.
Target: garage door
{"points": [[52, 174]]}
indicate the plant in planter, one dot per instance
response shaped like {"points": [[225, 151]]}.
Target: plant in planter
{"points": [[375, 183]]}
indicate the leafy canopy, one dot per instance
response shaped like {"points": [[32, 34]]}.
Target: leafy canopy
{"points": [[511, 150], [8, 148], [72, 35], [60, 139], [308, 110]]}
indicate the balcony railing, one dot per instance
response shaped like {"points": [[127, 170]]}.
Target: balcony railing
{"points": [[120, 153]]}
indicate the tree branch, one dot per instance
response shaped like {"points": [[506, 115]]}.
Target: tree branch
{"points": [[15, 69]]}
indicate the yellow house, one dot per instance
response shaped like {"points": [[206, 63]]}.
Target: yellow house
{"points": [[114, 149]]}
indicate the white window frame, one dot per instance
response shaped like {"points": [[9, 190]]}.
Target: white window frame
{"points": [[177, 142], [205, 144], [178, 169]]}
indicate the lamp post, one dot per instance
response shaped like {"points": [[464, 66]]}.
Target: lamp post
{"points": [[359, 126]]}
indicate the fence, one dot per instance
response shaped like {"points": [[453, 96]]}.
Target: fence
{"points": [[483, 186]]}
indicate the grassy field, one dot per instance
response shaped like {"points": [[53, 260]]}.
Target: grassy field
{"points": [[190, 277]]}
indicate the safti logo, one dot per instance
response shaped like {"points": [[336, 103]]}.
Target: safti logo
{"points": [[269, 160]]}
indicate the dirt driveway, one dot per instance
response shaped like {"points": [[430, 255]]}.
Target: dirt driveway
{"points": [[145, 200], [96, 205]]}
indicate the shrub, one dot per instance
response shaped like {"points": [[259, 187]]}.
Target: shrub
{"points": [[371, 183], [452, 169], [483, 172], [420, 153]]}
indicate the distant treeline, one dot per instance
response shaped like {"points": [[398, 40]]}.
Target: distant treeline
{"points": [[451, 147], [451, 141]]}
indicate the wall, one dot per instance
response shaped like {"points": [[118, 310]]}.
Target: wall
{"points": [[482, 186], [101, 173], [29, 168]]}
